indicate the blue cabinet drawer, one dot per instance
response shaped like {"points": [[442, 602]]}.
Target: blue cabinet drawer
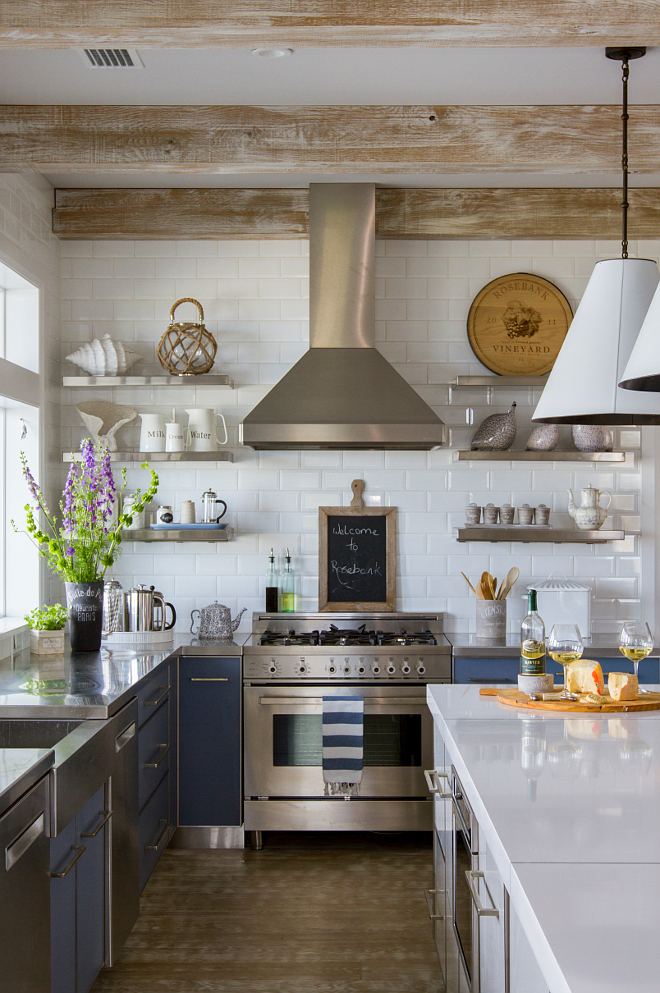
{"points": [[505, 670], [154, 830], [155, 692], [153, 752]]}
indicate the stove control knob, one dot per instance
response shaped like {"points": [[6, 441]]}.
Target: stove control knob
{"points": [[331, 668], [405, 669], [347, 669], [272, 668], [391, 669], [375, 669], [421, 669], [360, 669], [302, 669]]}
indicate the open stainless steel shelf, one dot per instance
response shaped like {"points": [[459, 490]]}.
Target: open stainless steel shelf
{"points": [[508, 382], [556, 456], [221, 381], [518, 532], [173, 534], [223, 455]]}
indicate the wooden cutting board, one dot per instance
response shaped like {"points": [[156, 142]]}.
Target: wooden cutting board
{"points": [[516, 698]]}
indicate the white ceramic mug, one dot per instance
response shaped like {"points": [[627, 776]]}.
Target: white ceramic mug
{"points": [[175, 437], [201, 435], [152, 433]]}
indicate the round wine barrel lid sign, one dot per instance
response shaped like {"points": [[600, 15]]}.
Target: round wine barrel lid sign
{"points": [[518, 323]]}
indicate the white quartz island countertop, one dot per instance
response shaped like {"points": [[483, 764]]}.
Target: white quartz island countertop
{"points": [[570, 809]]}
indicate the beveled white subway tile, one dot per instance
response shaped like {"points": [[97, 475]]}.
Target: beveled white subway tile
{"points": [[406, 248], [426, 479], [259, 267], [425, 310], [294, 266], [77, 289], [363, 461], [426, 565], [196, 586], [405, 289], [76, 249], [159, 289], [133, 310], [280, 248], [617, 587], [305, 479], [291, 351], [594, 566], [300, 522], [91, 310], [114, 249], [390, 310], [281, 331], [275, 501], [144, 268], [259, 351], [90, 268], [259, 310], [155, 249], [321, 460], [468, 479], [175, 268], [424, 523], [392, 266], [113, 289], [197, 249], [295, 310], [217, 565], [406, 330], [279, 460]]}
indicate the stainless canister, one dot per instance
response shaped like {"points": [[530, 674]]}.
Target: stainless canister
{"points": [[114, 607], [142, 603]]}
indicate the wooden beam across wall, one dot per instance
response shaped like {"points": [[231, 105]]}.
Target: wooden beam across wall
{"points": [[400, 213], [313, 23], [408, 140]]}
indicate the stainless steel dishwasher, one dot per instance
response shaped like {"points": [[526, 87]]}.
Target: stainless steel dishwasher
{"points": [[24, 894]]}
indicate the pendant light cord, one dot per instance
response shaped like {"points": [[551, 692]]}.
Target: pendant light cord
{"points": [[624, 160]]}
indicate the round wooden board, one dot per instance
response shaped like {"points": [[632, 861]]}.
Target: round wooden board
{"points": [[516, 698], [517, 324]]}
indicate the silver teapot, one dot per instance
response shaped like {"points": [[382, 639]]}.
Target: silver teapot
{"points": [[215, 621]]}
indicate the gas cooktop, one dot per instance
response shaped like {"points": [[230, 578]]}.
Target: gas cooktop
{"points": [[334, 635]]}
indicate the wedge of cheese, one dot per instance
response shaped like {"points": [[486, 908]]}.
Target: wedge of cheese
{"points": [[623, 686], [585, 676]]}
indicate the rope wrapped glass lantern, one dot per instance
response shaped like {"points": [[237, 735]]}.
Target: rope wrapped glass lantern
{"points": [[187, 348]]}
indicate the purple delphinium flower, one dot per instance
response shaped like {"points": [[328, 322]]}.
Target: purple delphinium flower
{"points": [[68, 499], [30, 480]]}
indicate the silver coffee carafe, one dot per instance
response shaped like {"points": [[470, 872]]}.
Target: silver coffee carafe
{"points": [[146, 610]]}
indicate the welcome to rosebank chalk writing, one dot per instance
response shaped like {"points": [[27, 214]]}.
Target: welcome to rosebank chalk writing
{"points": [[353, 570], [337, 529]]}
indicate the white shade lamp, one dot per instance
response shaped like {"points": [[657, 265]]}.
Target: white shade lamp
{"points": [[583, 387], [643, 369]]}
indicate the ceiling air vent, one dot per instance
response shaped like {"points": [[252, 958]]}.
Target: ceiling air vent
{"points": [[112, 58]]}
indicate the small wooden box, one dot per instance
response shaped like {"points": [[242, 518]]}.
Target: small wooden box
{"points": [[47, 642]]}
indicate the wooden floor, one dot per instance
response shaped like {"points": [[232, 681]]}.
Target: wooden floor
{"points": [[310, 913]]}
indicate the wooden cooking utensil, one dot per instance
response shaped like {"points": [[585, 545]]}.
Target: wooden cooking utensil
{"points": [[479, 591], [469, 583], [511, 578], [485, 585]]}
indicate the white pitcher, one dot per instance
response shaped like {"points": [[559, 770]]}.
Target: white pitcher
{"points": [[201, 434], [152, 433]]}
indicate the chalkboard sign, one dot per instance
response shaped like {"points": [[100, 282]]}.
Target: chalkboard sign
{"points": [[357, 558]]}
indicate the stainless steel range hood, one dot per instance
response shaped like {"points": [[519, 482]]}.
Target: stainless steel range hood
{"points": [[342, 393]]}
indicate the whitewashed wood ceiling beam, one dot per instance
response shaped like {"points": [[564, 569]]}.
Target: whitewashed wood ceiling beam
{"points": [[395, 140], [400, 213], [314, 23]]}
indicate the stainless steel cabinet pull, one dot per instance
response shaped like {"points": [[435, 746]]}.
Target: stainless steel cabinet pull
{"points": [[429, 894], [209, 679], [78, 849], [432, 778], [471, 875], [156, 700], [124, 738], [154, 848], [105, 817], [316, 701], [21, 844], [154, 765]]}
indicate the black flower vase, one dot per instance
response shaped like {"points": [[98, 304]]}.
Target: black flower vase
{"points": [[85, 603]]}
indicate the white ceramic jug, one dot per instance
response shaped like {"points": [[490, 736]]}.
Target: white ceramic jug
{"points": [[152, 433], [588, 514], [201, 434]]}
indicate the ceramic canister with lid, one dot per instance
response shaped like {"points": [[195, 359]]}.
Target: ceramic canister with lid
{"points": [[564, 601]]}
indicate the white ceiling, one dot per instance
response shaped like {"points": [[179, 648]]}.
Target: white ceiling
{"points": [[334, 76]]}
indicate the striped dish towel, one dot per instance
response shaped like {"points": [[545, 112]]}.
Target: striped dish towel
{"points": [[343, 718]]}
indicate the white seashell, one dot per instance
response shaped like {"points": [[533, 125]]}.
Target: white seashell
{"points": [[104, 357]]}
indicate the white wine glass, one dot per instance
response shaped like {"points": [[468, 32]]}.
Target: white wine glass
{"points": [[565, 645], [636, 642]]}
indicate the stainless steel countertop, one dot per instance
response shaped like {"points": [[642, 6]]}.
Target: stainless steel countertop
{"points": [[467, 646], [90, 684], [20, 769]]}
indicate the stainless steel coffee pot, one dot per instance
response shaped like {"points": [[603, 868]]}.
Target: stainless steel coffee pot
{"points": [[209, 500], [146, 610]]}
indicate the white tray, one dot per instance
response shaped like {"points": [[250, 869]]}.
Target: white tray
{"points": [[141, 638]]}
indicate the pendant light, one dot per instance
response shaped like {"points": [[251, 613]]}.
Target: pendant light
{"points": [[582, 387]]}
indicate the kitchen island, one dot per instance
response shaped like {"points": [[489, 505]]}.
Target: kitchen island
{"points": [[567, 808]]}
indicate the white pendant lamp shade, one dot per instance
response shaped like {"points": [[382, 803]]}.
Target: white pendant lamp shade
{"points": [[643, 369], [583, 385]]}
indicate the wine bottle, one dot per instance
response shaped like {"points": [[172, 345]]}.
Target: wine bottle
{"points": [[272, 591], [288, 586], [532, 638]]}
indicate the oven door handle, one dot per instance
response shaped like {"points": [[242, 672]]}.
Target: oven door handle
{"points": [[432, 777], [459, 816], [317, 701], [471, 875]]}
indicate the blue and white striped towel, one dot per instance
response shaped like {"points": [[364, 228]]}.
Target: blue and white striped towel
{"points": [[343, 719]]}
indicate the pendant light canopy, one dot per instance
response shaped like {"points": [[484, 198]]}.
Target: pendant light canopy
{"points": [[583, 385]]}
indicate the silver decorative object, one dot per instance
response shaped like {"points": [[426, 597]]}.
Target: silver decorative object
{"points": [[491, 513], [497, 433], [526, 514], [472, 513], [592, 438], [544, 438], [507, 513], [103, 420], [104, 357], [542, 514]]}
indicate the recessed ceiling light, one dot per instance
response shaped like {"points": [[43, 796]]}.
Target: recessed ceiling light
{"points": [[272, 53]]}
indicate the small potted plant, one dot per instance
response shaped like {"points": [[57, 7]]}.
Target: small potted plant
{"points": [[86, 541], [46, 626]]}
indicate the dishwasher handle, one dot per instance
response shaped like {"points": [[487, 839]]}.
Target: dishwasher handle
{"points": [[25, 840], [471, 875], [432, 777]]}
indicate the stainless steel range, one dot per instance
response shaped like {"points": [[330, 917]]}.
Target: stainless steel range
{"points": [[290, 663]]}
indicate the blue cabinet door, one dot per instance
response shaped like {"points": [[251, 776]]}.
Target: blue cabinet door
{"points": [[90, 870], [63, 855], [505, 670], [210, 741]]}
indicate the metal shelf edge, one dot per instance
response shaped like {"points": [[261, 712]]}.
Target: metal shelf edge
{"points": [[557, 535], [466, 455], [172, 457], [148, 534]]}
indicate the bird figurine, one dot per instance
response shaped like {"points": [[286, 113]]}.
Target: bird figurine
{"points": [[544, 438], [496, 433], [103, 420]]}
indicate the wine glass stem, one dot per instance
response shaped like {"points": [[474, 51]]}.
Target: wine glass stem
{"points": [[565, 686], [636, 667]]}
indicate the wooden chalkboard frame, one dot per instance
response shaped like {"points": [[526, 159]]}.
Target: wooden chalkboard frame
{"points": [[389, 513]]}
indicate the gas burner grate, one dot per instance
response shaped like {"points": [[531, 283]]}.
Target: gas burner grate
{"points": [[345, 637]]}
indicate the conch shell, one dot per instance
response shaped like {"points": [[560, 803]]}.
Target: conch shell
{"points": [[104, 357]]}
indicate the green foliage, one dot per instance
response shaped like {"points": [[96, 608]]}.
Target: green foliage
{"points": [[47, 618]]}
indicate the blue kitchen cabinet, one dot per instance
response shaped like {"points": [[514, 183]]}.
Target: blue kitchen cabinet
{"points": [[210, 741], [157, 775], [78, 899], [505, 670]]}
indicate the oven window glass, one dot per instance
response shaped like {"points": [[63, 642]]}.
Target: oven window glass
{"points": [[389, 739]]}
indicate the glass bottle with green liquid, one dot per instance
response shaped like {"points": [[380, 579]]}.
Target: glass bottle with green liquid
{"points": [[532, 638], [287, 586]]}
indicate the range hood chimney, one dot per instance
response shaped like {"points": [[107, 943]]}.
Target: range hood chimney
{"points": [[342, 393]]}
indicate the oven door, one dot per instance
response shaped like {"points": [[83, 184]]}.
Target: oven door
{"points": [[284, 740], [465, 841]]}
